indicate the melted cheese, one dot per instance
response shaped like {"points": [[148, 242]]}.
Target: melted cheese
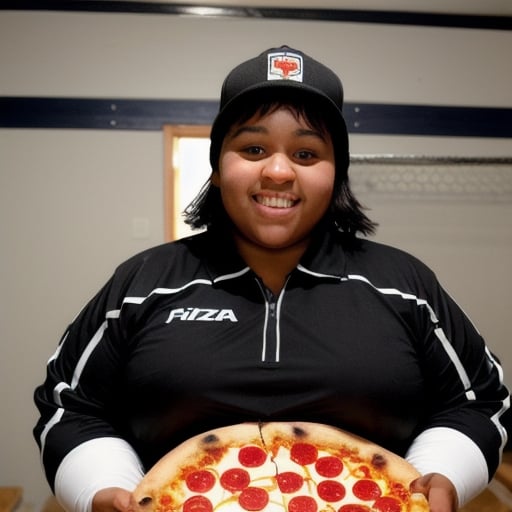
{"points": [[264, 477]]}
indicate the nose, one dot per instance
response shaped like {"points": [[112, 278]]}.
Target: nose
{"points": [[278, 168]]}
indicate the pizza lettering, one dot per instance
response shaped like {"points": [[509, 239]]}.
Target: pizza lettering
{"points": [[279, 467]]}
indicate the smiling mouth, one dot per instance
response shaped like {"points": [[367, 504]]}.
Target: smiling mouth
{"points": [[275, 202]]}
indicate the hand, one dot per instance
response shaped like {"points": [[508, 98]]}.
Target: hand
{"points": [[439, 490], [112, 499]]}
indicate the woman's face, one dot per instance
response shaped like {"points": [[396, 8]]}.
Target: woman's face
{"points": [[276, 178]]}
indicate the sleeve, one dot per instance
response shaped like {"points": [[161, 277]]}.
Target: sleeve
{"points": [[445, 451], [92, 466], [79, 399], [463, 437]]}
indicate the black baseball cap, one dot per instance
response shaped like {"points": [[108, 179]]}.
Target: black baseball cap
{"points": [[278, 70]]}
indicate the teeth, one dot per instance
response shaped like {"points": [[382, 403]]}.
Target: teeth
{"points": [[275, 202]]}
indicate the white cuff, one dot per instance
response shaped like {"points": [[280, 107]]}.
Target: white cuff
{"points": [[92, 466], [449, 452]]}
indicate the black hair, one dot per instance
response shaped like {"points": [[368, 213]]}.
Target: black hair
{"points": [[207, 210]]}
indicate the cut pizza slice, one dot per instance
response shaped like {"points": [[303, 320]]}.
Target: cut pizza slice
{"points": [[281, 467]]}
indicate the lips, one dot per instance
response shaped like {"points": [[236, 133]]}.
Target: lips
{"points": [[275, 202]]}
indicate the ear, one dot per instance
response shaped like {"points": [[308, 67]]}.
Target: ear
{"points": [[215, 178]]}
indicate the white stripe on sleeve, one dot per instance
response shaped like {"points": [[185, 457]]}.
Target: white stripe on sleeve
{"points": [[449, 452], [92, 466]]}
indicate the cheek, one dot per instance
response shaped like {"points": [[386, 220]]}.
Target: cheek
{"points": [[234, 172], [322, 184]]}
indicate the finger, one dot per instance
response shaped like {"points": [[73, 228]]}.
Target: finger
{"points": [[421, 484], [122, 500], [440, 501]]}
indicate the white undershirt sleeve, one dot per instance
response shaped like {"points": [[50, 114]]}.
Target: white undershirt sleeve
{"points": [[92, 466], [449, 452]]}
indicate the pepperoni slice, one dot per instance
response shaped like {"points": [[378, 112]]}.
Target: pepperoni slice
{"points": [[387, 504], [330, 491], [354, 508], [200, 481], [304, 453], [252, 456], [235, 479], [253, 498], [366, 490], [302, 504], [198, 504], [329, 467], [289, 481]]}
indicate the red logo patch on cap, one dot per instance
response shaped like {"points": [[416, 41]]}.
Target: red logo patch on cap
{"points": [[284, 66]]}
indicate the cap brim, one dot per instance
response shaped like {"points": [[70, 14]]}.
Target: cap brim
{"points": [[277, 85]]}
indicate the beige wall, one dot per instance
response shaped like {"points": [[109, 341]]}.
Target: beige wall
{"points": [[69, 198]]}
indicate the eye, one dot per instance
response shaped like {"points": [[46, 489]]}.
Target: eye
{"points": [[253, 151], [305, 154]]}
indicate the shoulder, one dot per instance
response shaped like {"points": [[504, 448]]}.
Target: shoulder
{"points": [[373, 249], [188, 247], [388, 265], [166, 264]]}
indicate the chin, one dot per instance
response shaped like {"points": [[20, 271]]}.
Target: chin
{"points": [[279, 243]]}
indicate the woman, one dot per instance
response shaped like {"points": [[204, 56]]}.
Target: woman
{"points": [[278, 311]]}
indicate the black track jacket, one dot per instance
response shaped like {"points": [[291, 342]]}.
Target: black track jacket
{"points": [[184, 337]]}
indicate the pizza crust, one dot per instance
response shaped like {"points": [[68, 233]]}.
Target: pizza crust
{"points": [[191, 452], [333, 438], [207, 448]]}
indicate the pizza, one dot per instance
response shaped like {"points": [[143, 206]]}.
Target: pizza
{"points": [[279, 467]]}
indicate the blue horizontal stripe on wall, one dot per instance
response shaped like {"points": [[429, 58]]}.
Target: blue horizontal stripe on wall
{"points": [[312, 14], [142, 114], [30, 112]]}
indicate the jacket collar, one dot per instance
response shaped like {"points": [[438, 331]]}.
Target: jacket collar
{"points": [[326, 255]]}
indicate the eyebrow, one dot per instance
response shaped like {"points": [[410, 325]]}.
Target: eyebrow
{"points": [[306, 132], [248, 129], [301, 132]]}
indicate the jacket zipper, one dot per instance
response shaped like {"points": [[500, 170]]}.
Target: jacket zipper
{"points": [[271, 343]]}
